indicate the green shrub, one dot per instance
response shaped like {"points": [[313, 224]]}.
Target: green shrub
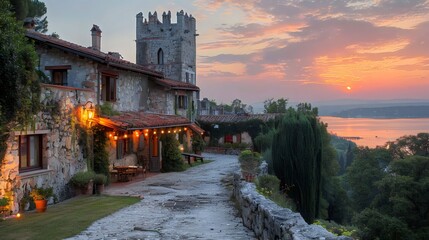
{"points": [[100, 179], [249, 161], [171, 156], [198, 143], [269, 182], [338, 229], [81, 179], [42, 193], [4, 201], [269, 185]]}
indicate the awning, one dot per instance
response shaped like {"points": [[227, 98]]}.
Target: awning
{"points": [[194, 127], [128, 121]]}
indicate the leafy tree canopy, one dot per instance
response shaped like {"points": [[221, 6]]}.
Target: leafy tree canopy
{"points": [[275, 106], [20, 90], [33, 9]]}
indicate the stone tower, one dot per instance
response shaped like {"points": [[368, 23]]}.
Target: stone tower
{"points": [[168, 47]]}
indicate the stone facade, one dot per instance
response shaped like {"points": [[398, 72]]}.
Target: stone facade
{"points": [[168, 47], [270, 221], [62, 156]]}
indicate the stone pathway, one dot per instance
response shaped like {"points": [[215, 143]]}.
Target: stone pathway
{"points": [[189, 205]]}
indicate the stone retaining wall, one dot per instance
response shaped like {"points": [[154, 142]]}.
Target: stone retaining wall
{"points": [[270, 221]]}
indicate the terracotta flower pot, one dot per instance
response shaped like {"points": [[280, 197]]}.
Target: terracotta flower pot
{"points": [[41, 205], [99, 188]]}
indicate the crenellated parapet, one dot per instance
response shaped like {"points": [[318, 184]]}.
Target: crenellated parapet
{"points": [[185, 23]]}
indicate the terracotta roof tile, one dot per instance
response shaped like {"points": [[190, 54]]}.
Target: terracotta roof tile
{"points": [[141, 120], [91, 53], [173, 84]]}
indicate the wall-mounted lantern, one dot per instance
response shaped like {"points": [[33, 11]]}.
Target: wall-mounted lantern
{"points": [[88, 111]]}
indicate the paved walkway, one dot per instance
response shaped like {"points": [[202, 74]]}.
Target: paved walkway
{"points": [[194, 204]]}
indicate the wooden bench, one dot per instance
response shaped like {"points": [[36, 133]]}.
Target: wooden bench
{"points": [[196, 156]]}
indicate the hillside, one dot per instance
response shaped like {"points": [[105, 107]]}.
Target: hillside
{"points": [[385, 112]]}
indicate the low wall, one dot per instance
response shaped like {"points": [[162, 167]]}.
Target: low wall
{"points": [[270, 221]]}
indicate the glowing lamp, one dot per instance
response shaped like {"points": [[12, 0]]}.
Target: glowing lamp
{"points": [[169, 131], [185, 129], [162, 131], [125, 135], [146, 134], [115, 137], [89, 111]]}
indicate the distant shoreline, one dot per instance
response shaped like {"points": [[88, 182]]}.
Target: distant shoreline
{"points": [[357, 117]]}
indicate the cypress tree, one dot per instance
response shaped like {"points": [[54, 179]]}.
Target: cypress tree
{"points": [[296, 157]]}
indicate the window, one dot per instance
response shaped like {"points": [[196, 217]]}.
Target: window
{"points": [[123, 147], [108, 88], [30, 152], [160, 56], [59, 77], [59, 74], [182, 102], [187, 77]]}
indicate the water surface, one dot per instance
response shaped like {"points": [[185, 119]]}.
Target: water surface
{"points": [[375, 132]]}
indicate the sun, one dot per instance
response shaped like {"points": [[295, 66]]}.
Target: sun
{"points": [[349, 88]]}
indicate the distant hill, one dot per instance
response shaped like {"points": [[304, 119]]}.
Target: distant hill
{"points": [[385, 112]]}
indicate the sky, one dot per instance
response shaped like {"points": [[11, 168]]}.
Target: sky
{"points": [[302, 50]]}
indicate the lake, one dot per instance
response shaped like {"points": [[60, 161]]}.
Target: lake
{"points": [[375, 132]]}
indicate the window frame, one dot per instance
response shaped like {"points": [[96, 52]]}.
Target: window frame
{"points": [[160, 56], [61, 71], [108, 87], [28, 146], [182, 101]]}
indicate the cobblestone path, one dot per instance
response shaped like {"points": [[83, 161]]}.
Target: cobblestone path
{"points": [[194, 204]]}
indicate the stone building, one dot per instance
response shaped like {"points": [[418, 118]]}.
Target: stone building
{"points": [[77, 80], [170, 48]]}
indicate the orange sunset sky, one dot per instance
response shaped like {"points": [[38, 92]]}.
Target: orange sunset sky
{"points": [[302, 50]]}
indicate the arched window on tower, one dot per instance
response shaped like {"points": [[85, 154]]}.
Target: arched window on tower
{"points": [[160, 56]]}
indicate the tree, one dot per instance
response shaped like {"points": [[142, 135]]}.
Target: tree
{"points": [[410, 145], [171, 157], [368, 167], [278, 106], [297, 156], [20, 89], [33, 9]]}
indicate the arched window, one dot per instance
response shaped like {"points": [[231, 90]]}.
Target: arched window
{"points": [[160, 56]]}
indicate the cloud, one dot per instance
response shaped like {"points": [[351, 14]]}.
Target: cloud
{"points": [[326, 43]]}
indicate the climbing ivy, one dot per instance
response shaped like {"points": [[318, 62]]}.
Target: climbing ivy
{"points": [[252, 126], [20, 89]]}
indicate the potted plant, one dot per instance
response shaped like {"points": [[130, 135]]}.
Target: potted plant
{"points": [[40, 197], [83, 182], [198, 144], [99, 181], [249, 163], [4, 203]]}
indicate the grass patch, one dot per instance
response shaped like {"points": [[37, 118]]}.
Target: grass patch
{"points": [[64, 219]]}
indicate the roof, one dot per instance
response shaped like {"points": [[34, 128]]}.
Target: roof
{"points": [[141, 120], [177, 85], [90, 53], [233, 118]]}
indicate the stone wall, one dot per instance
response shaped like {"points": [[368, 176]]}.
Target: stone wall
{"points": [[270, 221], [177, 41], [62, 153], [83, 72], [130, 92]]}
